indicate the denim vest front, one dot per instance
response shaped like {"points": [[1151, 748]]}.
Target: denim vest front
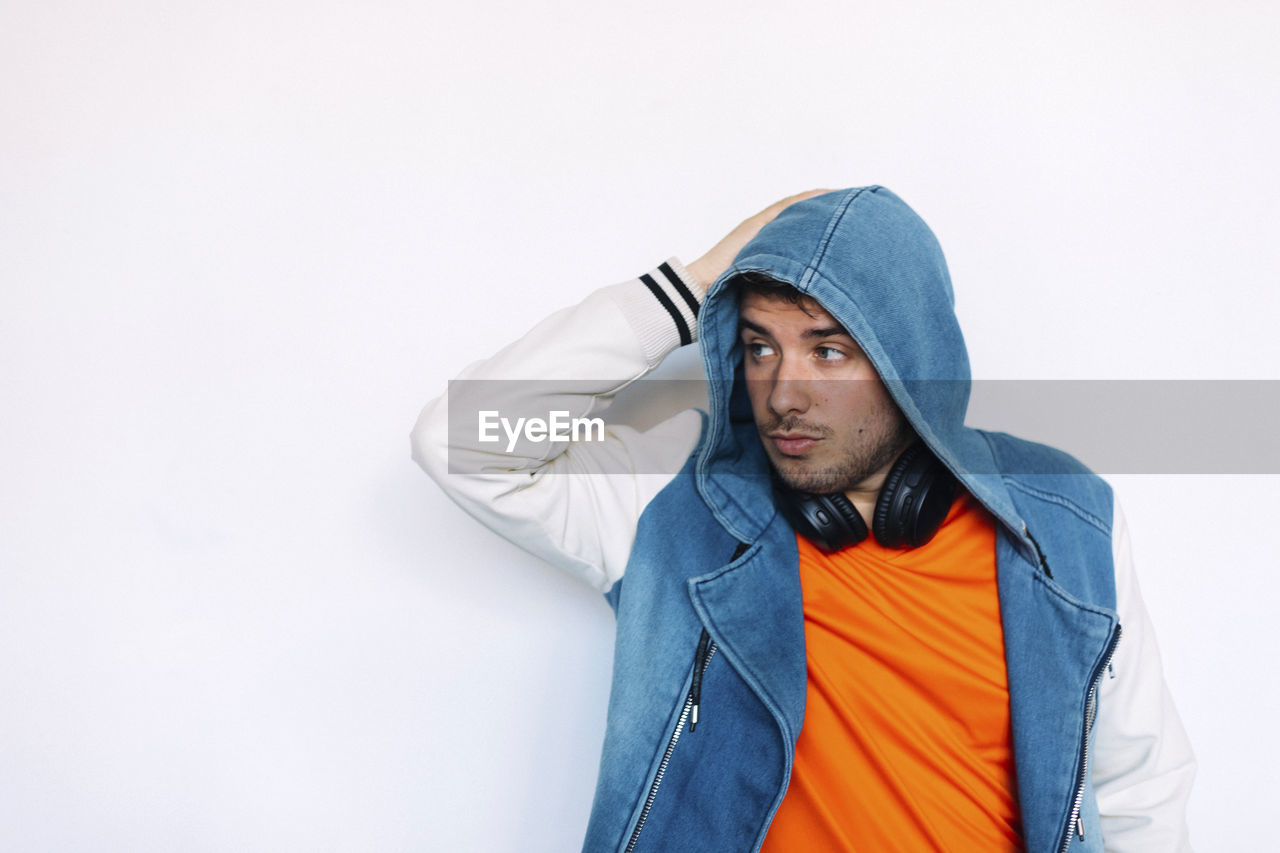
{"points": [[717, 787]]}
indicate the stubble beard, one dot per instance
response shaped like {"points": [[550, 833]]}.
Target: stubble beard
{"points": [[889, 436]]}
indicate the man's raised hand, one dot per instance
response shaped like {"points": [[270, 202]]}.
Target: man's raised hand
{"points": [[709, 267]]}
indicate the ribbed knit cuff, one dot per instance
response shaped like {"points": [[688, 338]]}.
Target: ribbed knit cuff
{"points": [[662, 306]]}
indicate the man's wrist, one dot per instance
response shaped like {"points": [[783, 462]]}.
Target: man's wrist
{"points": [[662, 308], [698, 271]]}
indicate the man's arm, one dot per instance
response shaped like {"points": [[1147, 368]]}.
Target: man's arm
{"points": [[576, 504], [1143, 764]]}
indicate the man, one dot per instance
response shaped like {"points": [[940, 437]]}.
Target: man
{"points": [[954, 681]]}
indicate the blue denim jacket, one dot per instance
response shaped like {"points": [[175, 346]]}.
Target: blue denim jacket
{"points": [[713, 555]]}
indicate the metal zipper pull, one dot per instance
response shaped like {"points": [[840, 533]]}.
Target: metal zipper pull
{"points": [[1044, 562], [700, 660], [702, 657]]}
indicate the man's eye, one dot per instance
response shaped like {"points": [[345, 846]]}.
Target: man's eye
{"points": [[829, 353], [759, 350]]}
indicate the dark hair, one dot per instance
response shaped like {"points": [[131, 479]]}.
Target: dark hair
{"points": [[763, 284]]}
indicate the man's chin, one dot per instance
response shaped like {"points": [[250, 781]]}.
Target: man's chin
{"points": [[803, 476]]}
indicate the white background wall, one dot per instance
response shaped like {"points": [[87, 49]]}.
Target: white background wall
{"points": [[242, 243]]}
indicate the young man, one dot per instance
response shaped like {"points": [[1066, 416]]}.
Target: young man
{"points": [[954, 681]]}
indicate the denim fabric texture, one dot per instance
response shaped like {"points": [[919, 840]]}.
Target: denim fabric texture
{"points": [[877, 268]]}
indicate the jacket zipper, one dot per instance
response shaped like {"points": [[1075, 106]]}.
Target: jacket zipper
{"points": [[702, 657], [1090, 712], [706, 651]]}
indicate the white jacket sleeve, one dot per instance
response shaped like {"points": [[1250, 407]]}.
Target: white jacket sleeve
{"points": [[573, 503], [1143, 764]]}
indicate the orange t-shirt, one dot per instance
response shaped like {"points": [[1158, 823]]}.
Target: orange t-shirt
{"points": [[906, 741]]}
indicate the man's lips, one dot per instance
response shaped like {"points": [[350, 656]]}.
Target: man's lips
{"points": [[793, 443]]}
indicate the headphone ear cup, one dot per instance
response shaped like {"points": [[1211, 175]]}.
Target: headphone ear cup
{"points": [[831, 521], [917, 494], [886, 518]]}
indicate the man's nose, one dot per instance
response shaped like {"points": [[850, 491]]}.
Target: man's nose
{"points": [[790, 392]]}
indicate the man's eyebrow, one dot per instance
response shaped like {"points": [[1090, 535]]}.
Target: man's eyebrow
{"points": [[824, 332], [827, 332]]}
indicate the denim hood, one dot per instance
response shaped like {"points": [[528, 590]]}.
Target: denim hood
{"points": [[876, 267]]}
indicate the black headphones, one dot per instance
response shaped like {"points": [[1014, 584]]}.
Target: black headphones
{"points": [[913, 502]]}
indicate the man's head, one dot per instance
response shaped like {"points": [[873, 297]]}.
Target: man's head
{"points": [[826, 420]]}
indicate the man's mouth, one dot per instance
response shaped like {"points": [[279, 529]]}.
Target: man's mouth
{"points": [[793, 443]]}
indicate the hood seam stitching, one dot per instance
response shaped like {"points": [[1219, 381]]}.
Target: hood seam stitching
{"points": [[833, 224]]}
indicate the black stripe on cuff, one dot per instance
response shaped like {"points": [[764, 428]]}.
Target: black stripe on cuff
{"points": [[689, 298], [681, 326]]}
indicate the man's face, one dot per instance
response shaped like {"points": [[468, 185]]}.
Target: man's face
{"points": [[826, 420]]}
